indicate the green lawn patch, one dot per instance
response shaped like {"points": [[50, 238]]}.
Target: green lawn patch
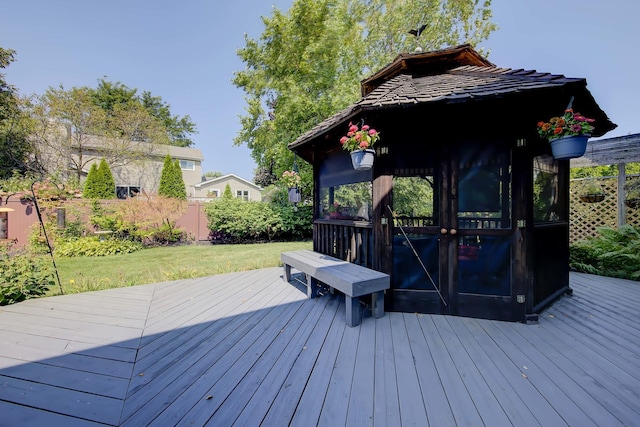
{"points": [[166, 263]]}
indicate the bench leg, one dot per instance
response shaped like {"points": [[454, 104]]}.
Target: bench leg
{"points": [[312, 286], [377, 304], [354, 312], [287, 273]]}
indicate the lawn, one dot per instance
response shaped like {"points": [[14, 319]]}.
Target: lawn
{"points": [[166, 263]]}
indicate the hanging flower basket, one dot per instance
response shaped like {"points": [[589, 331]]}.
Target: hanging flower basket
{"points": [[359, 141], [569, 147], [294, 195], [362, 159], [567, 134], [591, 192], [592, 198], [632, 203]]}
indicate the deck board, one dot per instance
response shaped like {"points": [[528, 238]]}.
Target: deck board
{"points": [[248, 349]]}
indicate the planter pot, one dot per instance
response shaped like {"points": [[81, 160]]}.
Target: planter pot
{"points": [[294, 195], [592, 198], [632, 203], [362, 159], [334, 215], [569, 147]]}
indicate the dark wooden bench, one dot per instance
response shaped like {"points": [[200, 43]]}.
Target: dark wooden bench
{"points": [[350, 279]]}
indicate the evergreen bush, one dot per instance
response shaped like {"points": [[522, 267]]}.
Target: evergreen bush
{"points": [[171, 180]]}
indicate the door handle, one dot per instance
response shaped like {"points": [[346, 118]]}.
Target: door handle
{"points": [[443, 231], [453, 231]]}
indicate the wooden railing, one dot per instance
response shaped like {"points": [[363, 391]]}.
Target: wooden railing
{"points": [[343, 239], [413, 221]]}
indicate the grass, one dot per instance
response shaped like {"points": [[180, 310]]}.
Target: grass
{"points": [[165, 264]]}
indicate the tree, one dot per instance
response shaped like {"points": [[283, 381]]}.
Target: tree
{"points": [[99, 183], [107, 183], [171, 181], [14, 126], [212, 174], [92, 183], [308, 62], [71, 129], [179, 129], [180, 189], [227, 194], [110, 96]]}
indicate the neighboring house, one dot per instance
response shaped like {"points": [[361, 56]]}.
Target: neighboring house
{"points": [[142, 171], [213, 188], [136, 166]]}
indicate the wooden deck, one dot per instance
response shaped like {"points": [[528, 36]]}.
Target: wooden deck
{"points": [[248, 349]]}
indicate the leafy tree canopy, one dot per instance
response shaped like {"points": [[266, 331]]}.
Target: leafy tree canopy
{"points": [[109, 95], [14, 125], [308, 62]]}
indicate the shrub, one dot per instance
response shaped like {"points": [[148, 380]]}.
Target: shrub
{"points": [[94, 246], [146, 219], [242, 220], [23, 276], [614, 253], [234, 220]]}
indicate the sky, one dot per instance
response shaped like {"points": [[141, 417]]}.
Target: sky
{"points": [[185, 52]]}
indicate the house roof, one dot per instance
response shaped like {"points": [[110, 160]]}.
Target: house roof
{"points": [[427, 63], [224, 178], [610, 151], [158, 150], [421, 79]]}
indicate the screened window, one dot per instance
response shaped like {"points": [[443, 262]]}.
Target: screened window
{"points": [[242, 194], [125, 191], [545, 190], [188, 165], [345, 193]]}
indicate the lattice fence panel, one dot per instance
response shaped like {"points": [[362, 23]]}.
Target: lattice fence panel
{"points": [[586, 218], [633, 215]]}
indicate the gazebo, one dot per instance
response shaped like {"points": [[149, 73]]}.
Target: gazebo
{"points": [[465, 207]]}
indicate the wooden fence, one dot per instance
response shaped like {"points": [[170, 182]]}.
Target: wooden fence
{"points": [[22, 217]]}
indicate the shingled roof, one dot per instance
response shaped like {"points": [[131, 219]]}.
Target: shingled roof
{"points": [[400, 85]]}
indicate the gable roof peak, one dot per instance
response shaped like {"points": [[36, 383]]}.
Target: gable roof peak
{"points": [[423, 63]]}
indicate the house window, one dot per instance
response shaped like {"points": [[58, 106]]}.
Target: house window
{"points": [[214, 194], [242, 194], [188, 165], [124, 191]]}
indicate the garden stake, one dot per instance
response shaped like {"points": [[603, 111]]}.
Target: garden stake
{"points": [[46, 237]]}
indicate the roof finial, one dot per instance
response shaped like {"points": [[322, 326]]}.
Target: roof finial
{"points": [[416, 33]]}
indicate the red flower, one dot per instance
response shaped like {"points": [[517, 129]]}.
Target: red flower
{"points": [[557, 131], [343, 140]]}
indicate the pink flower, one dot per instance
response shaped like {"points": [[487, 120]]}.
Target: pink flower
{"points": [[576, 128], [343, 140], [358, 136], [364, 144], [353, 128], [373, 132], [365, 127], [350, 134]]}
